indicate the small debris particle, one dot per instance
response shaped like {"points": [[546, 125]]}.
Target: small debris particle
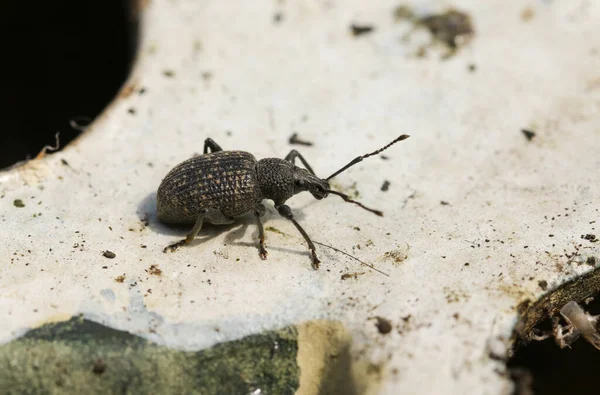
{"points": [[207, 76], [358, 30], [384, 326], [142, 91], [529, 135], [143, 246], [550, 235], [275, 230], [543, 284], [403, 12], [120, 278], [444, 203], [109, 254], [131, 111], [451, 27], [355, 275], [154, 270], [278, 17], [356, 228], [384, 157], [385, 186], [64, 162], [104, 267], [398, 255], [591, 261], [472, 67], [169, 73], [297, 141], [99, 367], [19, 203], [527, 14], [589, 237]]}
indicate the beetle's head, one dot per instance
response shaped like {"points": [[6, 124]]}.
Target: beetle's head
{"points": [[306, 181]]}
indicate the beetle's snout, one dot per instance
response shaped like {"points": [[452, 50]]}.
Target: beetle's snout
{"points": [[319, 191]]}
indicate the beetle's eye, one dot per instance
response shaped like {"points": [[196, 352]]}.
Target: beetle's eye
{"points": [[299, 183]]}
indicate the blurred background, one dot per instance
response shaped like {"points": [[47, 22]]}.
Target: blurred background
{"points": [[64, 61]]}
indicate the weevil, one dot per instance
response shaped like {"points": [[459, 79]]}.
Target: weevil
{"points": [[220, 186]]}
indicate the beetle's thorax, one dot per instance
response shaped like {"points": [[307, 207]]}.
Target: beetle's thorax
{"points": [[276, 179], [279, 180]]}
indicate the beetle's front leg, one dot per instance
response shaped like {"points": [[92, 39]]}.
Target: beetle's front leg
{"points": [[286, 212], [259, 211]]}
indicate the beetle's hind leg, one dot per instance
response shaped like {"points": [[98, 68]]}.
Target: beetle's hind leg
{"points": [[213, 216], [259, 211], [210, 143]]}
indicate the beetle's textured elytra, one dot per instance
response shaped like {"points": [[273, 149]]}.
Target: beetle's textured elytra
{"points": [[225, 180], [220, 186]]}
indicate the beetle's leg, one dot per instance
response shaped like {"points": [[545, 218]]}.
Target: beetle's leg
{"points": [[259, 211], [190, 236], [210, 143], [291, 157], [212, 215], [286, 212]]}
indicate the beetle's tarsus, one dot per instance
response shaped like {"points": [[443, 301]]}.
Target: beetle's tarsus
{"points": [[262, 253], [315, 261], [173, 247]]}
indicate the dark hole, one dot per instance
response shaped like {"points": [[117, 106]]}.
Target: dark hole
{"points": [[557, 371], [62, 60]]}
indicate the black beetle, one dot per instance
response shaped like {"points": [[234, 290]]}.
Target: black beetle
{"points": [[220, 186]]}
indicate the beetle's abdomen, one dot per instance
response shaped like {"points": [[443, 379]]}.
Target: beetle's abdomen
{"points": [[224, 180]]}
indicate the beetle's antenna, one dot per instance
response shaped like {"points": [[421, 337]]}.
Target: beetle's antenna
{"points": [[360, 158], [353, 257], [347, 199]]}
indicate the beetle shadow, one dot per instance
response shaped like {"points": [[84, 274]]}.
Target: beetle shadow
{"points": [[236, 231]]}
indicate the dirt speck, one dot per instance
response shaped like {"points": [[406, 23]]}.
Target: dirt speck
{"points": [[295, 140], [127, 91], [384, 326], [403, 12], [169, 73], [359, 30], [120, 279], [354, 275], [529, 134], [452, 27], [527, 14], [386, 186], [19, 203], [590, 237], [275, 230], [154, 270], [543, 284], [398, 255], [109, 254]]}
